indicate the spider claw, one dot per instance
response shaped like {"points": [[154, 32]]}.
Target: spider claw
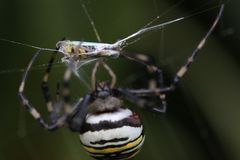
{"points": [[160, 110]]}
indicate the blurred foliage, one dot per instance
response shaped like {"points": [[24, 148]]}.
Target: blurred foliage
{"points": [[203, 113]]}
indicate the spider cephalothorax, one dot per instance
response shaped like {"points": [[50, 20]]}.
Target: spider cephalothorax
{"points": [[104, 100]]}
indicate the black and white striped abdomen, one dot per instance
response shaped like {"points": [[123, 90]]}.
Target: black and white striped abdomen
{"points": [[112, 135]]}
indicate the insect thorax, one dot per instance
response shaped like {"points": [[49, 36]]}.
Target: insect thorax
{"points": [[83, 50]]}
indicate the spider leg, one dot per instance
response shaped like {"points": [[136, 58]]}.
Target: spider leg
{"points": [[32, 110], [140, 102], [77, 117], [156, 87], [66, 92], [45, 87], [58, 94], [182, 71], [148, 62], [53, 109]]}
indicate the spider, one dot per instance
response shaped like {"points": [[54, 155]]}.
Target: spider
{"points": [[107, 129]]}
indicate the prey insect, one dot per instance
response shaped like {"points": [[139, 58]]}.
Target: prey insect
{"points": [[77, 53]]}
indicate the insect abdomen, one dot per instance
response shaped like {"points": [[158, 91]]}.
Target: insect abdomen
{"points": [[112, 135]]}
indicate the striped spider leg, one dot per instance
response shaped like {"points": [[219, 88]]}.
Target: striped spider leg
{"points": [[162, 89], [53, 107]]}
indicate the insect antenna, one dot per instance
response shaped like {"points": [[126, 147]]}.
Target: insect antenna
{"points": [[33, 68], [91, 21], [122, 43], [28, 45]]}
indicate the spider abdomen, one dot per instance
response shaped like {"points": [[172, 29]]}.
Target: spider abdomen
{"points": [[112, 135]]}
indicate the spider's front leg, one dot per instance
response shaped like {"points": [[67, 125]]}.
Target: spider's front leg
{"points": [[53, 109], [31, 109], [77, 112], [77, 118]]}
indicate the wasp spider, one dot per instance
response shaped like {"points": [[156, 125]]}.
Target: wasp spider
{"points": [[108, 130]]}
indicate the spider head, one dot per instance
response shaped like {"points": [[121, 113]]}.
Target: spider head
{"points": [[102, 90]]}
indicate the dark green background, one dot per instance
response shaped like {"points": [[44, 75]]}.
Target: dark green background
{"points": [[203, 115]]}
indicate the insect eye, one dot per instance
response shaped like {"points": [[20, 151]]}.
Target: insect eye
{"points": [[72, 50], [69, 49]]}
